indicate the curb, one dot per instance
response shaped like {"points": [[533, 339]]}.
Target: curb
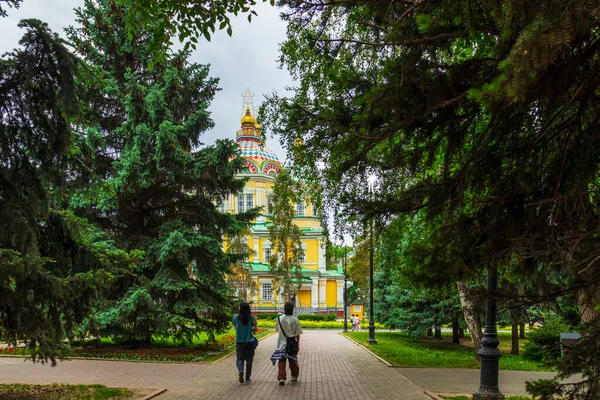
{"points": [[373, 354], [154, 394], [432, 395], [25, 358], [233, 352], [390, 365]]}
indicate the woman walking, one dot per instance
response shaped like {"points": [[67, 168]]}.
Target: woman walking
{"points": [[245, 325]]}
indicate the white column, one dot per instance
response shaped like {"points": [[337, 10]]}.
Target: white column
{"points": [[314, 293], [278, 296], [322, 261], [340, 294], [255, 255], [258, 288], [260, 198], [322, 292]]}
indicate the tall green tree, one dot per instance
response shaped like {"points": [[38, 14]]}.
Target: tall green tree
{"points": [[54, 265], [402, 300], [285, 236], [482, 114], [239, 277], [159, 183]]}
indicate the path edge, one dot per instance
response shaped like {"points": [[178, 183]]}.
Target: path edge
{"points": [[233, 352], [427, 393], [154, 394], [432, 395], [367, 349]]}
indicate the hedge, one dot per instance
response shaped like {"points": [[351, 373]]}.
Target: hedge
{"points": [[316, 317], [320, 324], [267, 316]]}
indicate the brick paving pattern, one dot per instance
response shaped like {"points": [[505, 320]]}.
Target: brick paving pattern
{"points": [[331, 367]]}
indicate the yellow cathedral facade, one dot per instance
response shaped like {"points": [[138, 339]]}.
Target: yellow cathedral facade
{"points": [[321, 289]]}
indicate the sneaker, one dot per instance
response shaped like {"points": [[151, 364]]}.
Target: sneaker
{"points": [[281, 382], [294, 379], [241, 375], [248, 379]]}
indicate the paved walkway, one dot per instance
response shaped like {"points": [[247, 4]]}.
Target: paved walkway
{"points": [[460, 380], [331, 367]]}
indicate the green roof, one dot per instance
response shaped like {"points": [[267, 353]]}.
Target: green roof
{"points": [[261, 267], [334, 272]]}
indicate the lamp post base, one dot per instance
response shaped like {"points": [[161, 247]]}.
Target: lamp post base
{"points": [[489, 354], [482, 395], [372, 339]]}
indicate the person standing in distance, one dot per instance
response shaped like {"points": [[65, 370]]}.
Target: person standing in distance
{"points": [[245, 325], [287, 326]]}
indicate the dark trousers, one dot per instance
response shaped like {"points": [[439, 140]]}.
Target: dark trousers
{"points": [[244, 352], [294, 369]]}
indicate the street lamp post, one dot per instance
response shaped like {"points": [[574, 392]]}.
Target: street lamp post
{"points": [[371, 339], [345, 295], [489, 352]]}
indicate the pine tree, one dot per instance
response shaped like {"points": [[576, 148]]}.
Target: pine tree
{"points": [[159, 182], [53, 264], [285, 236]]}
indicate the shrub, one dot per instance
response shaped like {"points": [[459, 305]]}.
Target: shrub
{"points": [[316, 317], [319, 324], [543, 343], [267, 316]]}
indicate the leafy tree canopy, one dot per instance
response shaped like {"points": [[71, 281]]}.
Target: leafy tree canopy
{"points": [[285, 235], [481, 114], [188, 19], [4, 4]]}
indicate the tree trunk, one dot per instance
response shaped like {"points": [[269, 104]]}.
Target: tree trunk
{"points": [[455, 330], [461, 333], [515, 332], [429, 332], [470, 313], [522, 330], [588, 299], [438, 333]]}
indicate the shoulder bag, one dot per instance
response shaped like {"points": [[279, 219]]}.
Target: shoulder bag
{"points": [[253, 339], [291, 346]]}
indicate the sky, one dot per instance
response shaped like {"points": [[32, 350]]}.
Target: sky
{"points": [[247, 60]]}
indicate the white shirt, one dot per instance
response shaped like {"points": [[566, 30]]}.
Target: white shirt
{"points": [[291, 326]]}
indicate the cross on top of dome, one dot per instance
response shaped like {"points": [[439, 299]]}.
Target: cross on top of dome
{"points": [[247, 101]]}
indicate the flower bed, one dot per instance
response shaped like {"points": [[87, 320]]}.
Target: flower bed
{"points": [[14, 351], [173, 354], [143, 355]]}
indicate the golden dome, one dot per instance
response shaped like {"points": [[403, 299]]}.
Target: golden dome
{"points": [[248, 119], [257, 126]]}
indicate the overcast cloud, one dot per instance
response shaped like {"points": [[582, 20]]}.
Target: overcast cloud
{"points": [[245, 60]]}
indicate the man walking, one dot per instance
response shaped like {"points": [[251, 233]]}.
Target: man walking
{"points": [[288, 344]]}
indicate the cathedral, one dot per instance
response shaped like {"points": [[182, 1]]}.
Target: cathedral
{"points": [[321, 289]]}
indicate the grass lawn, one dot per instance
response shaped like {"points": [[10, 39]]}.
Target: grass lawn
{"points": [[400, 349], [63, 392]]}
